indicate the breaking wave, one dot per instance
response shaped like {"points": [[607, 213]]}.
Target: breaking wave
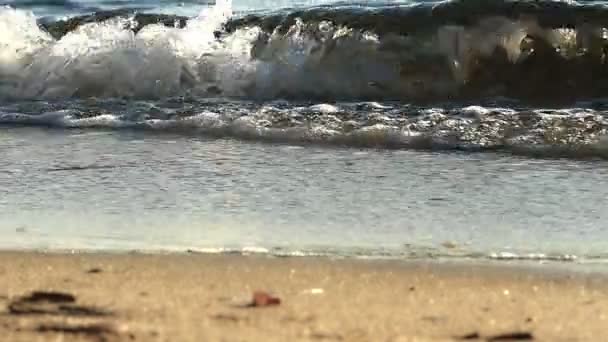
{"points": [[537, 51], [464, 75]]}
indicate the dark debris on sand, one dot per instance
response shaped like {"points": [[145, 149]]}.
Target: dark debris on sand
{"points": [[510, 336], [95, 329], [261, 299], [42, 304], [52, 303], [513, 336]]}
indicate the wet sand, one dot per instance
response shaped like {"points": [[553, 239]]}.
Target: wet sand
{"points": [[193, 297]]}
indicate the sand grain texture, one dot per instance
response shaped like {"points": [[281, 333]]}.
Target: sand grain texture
{"points": [[205, 298]]}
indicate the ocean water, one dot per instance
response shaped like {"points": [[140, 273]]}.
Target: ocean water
{"points": [[395, 129]]}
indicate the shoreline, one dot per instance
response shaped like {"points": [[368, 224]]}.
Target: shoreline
{"points": [[548, 265], [204, 297]]}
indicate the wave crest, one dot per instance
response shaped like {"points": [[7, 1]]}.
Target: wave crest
{"points": [[501, 48]]}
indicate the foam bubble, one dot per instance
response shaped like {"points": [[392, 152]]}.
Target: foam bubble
{"points": [[324, 108]]}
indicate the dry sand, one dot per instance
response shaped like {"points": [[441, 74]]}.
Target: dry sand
{"points": [[190, 297]]}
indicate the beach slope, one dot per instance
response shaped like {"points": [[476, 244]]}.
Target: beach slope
{"points": [[196, 297]]}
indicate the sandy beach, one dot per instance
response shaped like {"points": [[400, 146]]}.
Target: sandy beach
{"points": [[194, 297]]}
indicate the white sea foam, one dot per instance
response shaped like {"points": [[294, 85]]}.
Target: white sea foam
{"points": [[309, 59], [563, 133], [107, 59]]}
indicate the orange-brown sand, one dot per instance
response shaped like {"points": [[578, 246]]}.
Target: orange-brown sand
{"points": [[191, 297]]}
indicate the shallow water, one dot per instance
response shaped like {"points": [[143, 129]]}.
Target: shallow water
{"points": [[343, 138], [138, 190]]}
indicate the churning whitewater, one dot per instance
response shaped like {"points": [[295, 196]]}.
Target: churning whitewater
{"points": [[458, 74]]}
